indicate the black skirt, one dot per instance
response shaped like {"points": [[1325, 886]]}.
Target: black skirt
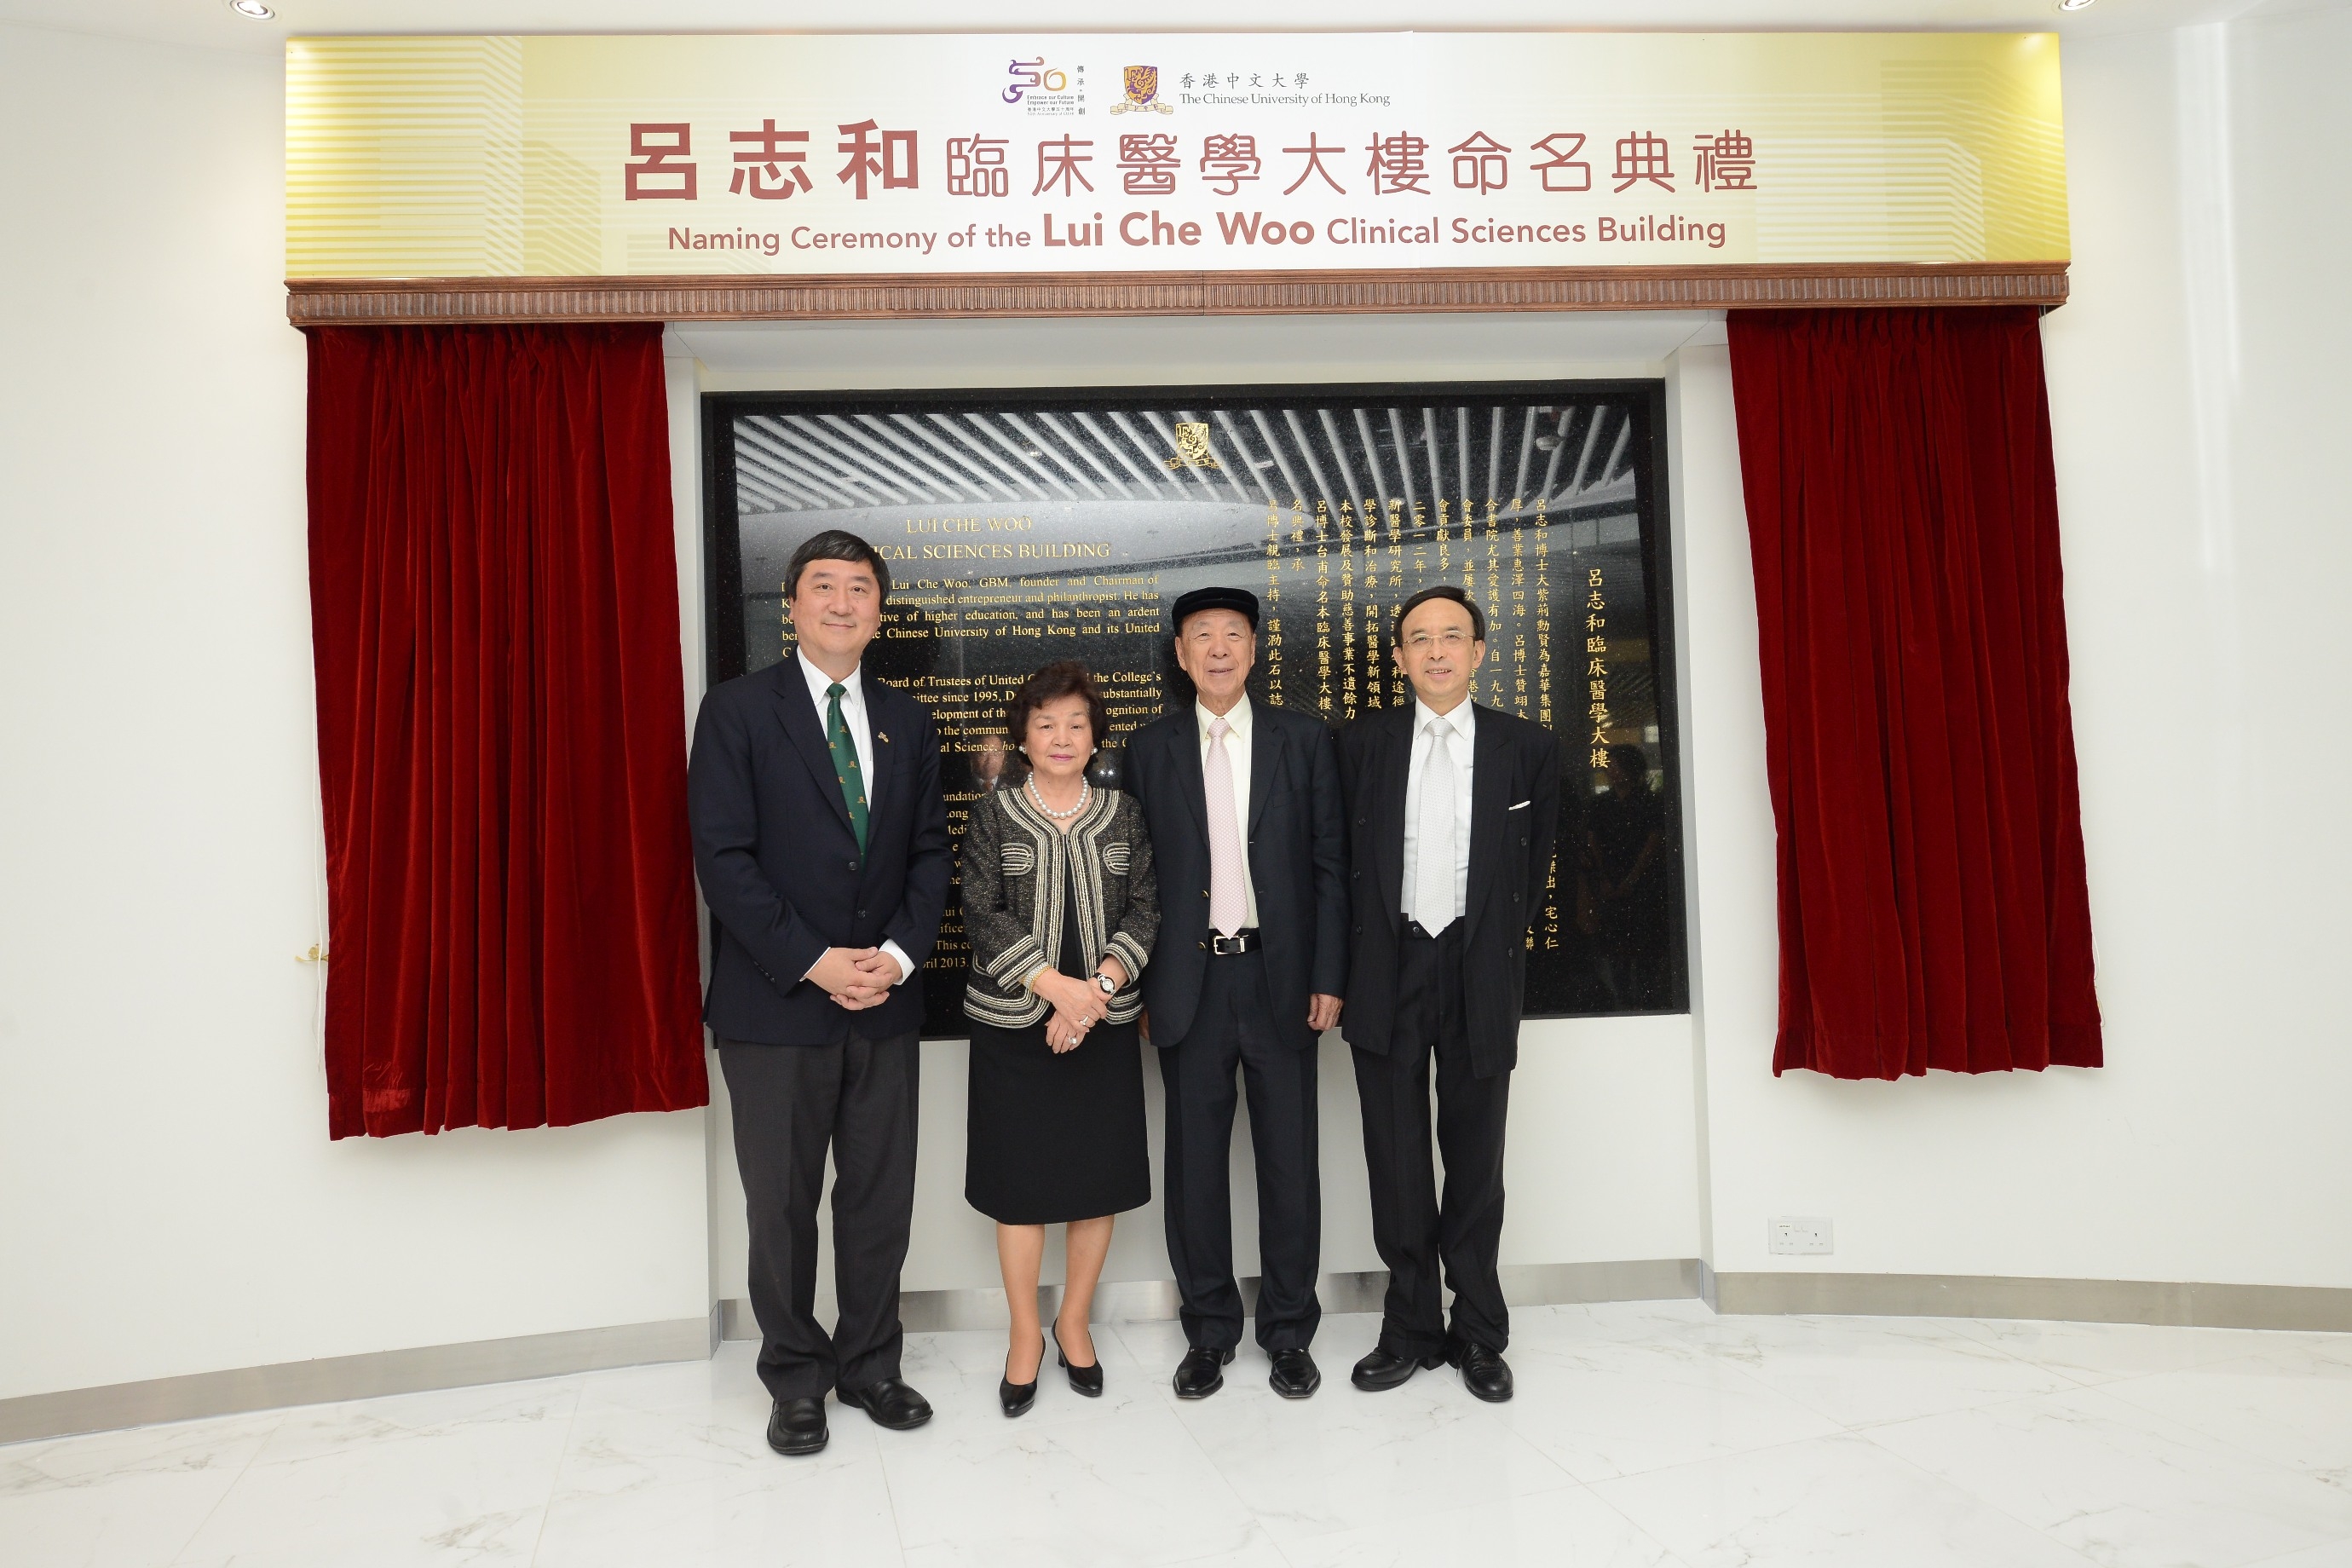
{"points": [[1049, 1139]]}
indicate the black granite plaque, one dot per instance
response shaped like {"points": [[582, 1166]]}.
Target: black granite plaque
{"points": [[1023, 527]]}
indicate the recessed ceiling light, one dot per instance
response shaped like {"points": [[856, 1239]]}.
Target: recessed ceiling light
{"points": [[260, 13], [2073, 5]]}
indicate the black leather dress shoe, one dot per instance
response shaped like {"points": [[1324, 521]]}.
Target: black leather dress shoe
{"points": [[1086, 1380], [797, 1426], [1295, 1374], [891, 1403], [1385, 1369], [1484, 1372], [1200, 1373], [1015, 1398]]}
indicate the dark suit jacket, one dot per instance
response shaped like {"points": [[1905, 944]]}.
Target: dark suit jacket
{"points": [[1297, 844], [1513, 818], [780, 865]]}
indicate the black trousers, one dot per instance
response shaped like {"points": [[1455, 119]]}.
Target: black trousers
{"points": [[1234, 1030], [1414, 1231], [789, 1103]]}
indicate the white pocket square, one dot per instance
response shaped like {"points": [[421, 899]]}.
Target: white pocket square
{"points": [[1523, 805]]}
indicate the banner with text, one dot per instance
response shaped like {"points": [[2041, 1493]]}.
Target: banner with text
{"points": [[493, 157]]}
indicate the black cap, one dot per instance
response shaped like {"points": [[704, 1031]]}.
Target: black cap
{"points": [[1239, 600]]}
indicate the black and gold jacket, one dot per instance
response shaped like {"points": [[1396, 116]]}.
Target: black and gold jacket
{"points": [[1012, 854]]}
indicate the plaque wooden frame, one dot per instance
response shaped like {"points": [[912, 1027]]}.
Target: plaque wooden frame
{"points": [[875, 296]]}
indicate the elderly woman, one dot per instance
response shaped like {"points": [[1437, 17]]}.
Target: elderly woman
{"points": [[1061, 908]]}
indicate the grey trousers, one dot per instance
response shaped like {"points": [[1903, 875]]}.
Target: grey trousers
{"points": [[791, 1104]]}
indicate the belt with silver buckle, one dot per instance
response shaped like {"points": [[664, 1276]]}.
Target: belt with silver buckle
{"points": [[1227, 946]]}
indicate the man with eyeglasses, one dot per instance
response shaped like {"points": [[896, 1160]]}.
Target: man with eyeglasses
{"points": [[821, 842], [1452, 811]]}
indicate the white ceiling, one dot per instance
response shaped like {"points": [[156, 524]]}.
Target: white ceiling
{"points": [[210, 23]]}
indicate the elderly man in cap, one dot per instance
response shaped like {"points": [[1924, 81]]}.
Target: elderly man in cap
{"points": [[1243, 801]]}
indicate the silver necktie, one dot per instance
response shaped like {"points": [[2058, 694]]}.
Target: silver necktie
{"points": [[1433, 856]]}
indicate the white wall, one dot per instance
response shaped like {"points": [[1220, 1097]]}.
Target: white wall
{"points": [[169, 1200], [2200, 403]]}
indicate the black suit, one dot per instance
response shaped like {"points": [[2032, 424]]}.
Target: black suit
{"points": [[769, 817], [1212, 1016], [1454, 996], [784, 877]]}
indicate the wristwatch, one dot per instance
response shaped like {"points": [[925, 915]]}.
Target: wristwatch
{"points": [[1109, 987]]}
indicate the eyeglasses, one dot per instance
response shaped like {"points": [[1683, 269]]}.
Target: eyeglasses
{"points": [[1451, 641]]}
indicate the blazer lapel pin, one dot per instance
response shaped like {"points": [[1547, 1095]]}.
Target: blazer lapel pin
{"points": [[882, 736]]}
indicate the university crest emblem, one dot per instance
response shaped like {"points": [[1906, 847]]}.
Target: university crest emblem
{"points": [[1192, 446], [1142, 84]]}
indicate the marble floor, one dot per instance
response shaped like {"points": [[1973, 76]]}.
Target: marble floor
{"points": [[1643, 1434]]}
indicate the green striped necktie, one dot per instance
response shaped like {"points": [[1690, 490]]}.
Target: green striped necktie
{"points": [[844, 762]]}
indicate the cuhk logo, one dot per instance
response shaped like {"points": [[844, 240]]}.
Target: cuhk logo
{"points": [[1142, 84], [1192, 446]]}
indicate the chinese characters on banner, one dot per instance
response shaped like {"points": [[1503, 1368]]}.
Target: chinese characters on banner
{"points": [[574, 156], [661, 162], [1388, 166]]}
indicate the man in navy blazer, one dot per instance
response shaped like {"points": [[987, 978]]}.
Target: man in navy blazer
{"points": [[1452, 809], [821, 841], [1250, 844]]}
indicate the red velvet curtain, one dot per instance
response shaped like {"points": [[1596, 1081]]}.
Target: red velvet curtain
{"points": [[1903, 518], [501, 729]]}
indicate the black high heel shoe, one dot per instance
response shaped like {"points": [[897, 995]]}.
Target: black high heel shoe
{"points": [[1017, 1397], [1086, 1380]]}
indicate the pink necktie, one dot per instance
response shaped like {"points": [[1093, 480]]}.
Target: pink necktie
{"points": [[1227, 905]]}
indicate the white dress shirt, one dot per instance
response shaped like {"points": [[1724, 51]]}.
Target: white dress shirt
{"points": [[853, 714], [1461, 748], [1237, 754]]}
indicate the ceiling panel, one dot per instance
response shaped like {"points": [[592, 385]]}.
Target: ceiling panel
{"points": [[209, 22]]}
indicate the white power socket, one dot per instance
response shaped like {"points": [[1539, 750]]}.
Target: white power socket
{"points": [[1801, 1236]]}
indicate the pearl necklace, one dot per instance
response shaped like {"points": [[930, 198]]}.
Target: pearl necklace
{"points": [[1086, 792]]}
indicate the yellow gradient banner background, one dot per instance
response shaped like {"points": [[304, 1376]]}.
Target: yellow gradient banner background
{"points": [[496, 157]]}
